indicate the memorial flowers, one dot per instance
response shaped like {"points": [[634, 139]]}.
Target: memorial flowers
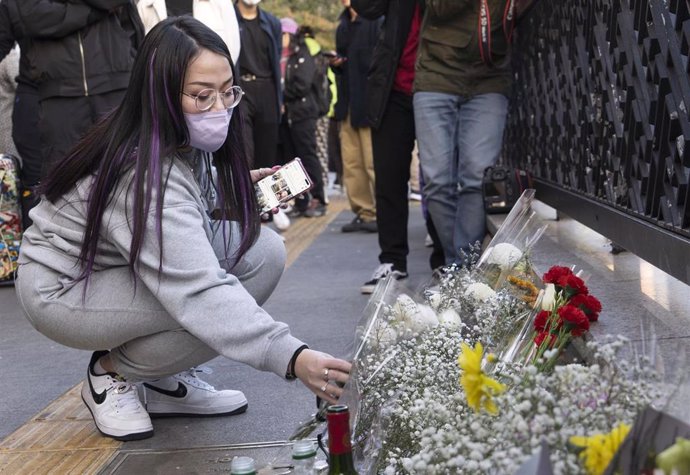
{"points": [[598, 449], [567, 310], [427, 406], [479, 388], [507, 256], [427, 394]]}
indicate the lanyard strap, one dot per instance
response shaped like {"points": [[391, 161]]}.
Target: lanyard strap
{"points": [[484, 27]]}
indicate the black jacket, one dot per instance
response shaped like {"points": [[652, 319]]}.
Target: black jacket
{"points": [[355, 41], [300, 95], [77, 47], [8, 38], [396, 27]]}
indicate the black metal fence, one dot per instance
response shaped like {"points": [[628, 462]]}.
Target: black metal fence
{"points": [[599, 118]]}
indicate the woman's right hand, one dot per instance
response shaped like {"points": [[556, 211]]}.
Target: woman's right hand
{"points": [[320, 372]]}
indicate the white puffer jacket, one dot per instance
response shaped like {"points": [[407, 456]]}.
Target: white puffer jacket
{"points": [[219, 15]]}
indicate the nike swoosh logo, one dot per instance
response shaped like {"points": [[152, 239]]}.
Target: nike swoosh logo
{"points": [[179, 393], [97, 397]]}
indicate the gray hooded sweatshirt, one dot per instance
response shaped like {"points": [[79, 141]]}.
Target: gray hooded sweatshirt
{"points": [[191, 285]]}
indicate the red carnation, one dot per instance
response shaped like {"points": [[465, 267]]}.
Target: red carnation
{"points": [[554, 274], [541, 336], [573, 285], [574, 319], [541, 320], [589, 304]]}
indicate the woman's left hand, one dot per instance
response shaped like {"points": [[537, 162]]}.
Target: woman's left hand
{"points": [[323, 374]]}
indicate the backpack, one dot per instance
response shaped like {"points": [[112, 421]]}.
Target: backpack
{"points": [[502, 186], [321, 84]]}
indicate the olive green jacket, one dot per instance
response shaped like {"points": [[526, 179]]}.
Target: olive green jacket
{"points": [[449, 61]]}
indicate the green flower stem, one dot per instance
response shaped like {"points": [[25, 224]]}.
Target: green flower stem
{"points": [[551, 363]]}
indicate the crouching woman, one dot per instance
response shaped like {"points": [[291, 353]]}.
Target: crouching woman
{"points": [[146, 247]]}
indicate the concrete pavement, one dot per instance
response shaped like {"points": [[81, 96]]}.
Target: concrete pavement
{"points": [[319, 298]]}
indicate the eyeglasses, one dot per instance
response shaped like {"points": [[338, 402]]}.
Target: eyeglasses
{"points": [[207, 98]]}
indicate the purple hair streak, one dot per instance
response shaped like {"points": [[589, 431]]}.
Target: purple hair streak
{"points": [[146, 130]]}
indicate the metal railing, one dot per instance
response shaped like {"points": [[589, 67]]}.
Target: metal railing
{"points": [[599, 117]]}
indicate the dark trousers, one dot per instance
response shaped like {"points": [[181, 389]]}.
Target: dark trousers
{"points": [[63, 121], [393, 142], [260, 122], [25, 133], [27, 140], [335, 161], [302, 137]]}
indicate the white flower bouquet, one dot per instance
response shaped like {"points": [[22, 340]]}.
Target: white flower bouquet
{"points": [[406, 343], [418, 415], [425, 396], [428, 399], [508, 253]]}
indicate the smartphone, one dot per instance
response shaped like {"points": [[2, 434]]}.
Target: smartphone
{"points": [[288, 181]]}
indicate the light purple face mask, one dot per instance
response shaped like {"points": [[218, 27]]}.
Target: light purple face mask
{"points": [[208, 130]]}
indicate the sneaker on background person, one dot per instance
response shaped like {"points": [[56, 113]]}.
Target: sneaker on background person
{"points": [[184, 394], [381, 272], [358, 224], [438, 274], [414, 195], [316, 209], [114, 404]]}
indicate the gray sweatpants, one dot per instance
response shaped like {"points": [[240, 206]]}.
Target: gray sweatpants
{"points": [[145, 341]]}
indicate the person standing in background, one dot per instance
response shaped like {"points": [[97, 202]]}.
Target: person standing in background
{"points": [[335, 161], [323, 69], [355, 38], [219, 15], [55, 22], [389, 99], [259, 67], [301, 113], [80, 57], [460, 107]]}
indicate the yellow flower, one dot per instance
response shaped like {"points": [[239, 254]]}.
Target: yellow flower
{"points": [[529, 290], [599, 449], [479, 388]]}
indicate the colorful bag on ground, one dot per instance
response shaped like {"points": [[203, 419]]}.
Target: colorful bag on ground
{"points": [[10, 217]]}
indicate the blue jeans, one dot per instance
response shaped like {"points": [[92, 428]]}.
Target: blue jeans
{"points": [[458, 138]]}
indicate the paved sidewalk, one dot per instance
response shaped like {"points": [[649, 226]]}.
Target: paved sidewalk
{"points": [[319, 298]]}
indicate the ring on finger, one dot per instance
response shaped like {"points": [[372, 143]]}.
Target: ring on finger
{"points": [[325, 373], [323, 388]]}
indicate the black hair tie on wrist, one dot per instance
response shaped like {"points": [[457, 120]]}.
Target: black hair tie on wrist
{"points": [[290, 373]]}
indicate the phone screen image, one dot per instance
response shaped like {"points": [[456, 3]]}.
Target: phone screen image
{"points": [[283, 185]]}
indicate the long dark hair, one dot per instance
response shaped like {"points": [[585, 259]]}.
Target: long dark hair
{"points": [[142, 132]]}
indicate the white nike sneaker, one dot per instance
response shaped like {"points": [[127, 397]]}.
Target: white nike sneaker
{"points": [[114, 405], [184, 394]]}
